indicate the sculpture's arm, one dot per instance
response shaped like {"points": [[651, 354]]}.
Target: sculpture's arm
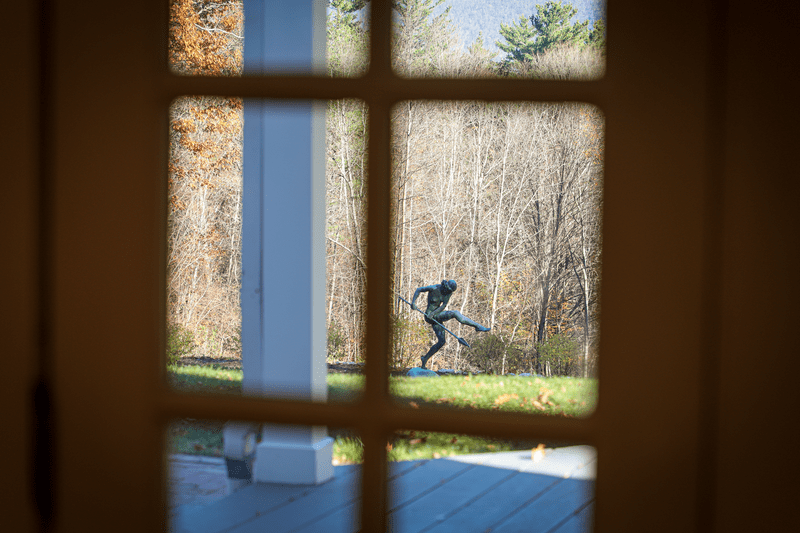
{"points": [[416, 295], [438, 309], [441, 306]]}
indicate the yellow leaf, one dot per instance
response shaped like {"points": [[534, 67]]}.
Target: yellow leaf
{"points": [[537, 454], [503, 398]]}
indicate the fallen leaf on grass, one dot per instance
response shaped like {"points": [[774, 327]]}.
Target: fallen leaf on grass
{"points": [[503, 398], [544, 394], [537, 405]]}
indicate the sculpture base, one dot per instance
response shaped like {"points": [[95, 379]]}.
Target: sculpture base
{"points": [[421, 372]]}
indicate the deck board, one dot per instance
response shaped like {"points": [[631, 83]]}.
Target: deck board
{"points": [[318, 503], [579, 522], [344, 520], [496, 505], [547, 511], [430, 496], [456, 494], [416, 483], [237, 508]]}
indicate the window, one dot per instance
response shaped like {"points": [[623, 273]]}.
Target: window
{"points": [[106, 95], [376, 416]]}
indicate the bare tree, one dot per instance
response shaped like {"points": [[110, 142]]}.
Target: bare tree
{"points": [[505, 198]]}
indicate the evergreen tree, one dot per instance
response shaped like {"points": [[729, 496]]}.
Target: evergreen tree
{"points": [[347, 38], [549, 27], [597, 37], [422, 42]]}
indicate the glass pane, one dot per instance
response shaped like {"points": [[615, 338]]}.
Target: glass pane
{"points": [[207, 225], [348, 38], [275, 477], [555, 396], [345, 232], [444, 482], [204, 231], [497, 238], [513, 38], [207, 38]]}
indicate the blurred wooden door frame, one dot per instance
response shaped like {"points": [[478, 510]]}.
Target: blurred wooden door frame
{"points": [[698, 202]]}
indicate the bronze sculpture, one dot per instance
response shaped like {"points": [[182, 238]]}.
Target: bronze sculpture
{"points": [[435, 314]]}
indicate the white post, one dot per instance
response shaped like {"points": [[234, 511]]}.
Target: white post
{"points": [[283, 239]]}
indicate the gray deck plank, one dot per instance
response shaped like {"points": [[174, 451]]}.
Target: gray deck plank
{"points": [[435, 496], [232, 510], [429, 475], [544, 513], [409, 482], [255, 500], [345, 520], [494, 506], [322, 501], [434, 507], [581, 522], [400, 468]]}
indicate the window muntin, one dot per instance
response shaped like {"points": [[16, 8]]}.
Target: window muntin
{"points": [[374, 434]]}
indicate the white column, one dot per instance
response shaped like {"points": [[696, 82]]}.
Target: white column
{"points": [[283, 240]]}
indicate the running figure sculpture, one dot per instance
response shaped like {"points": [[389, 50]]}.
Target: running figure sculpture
{"points": [[438, 297]]}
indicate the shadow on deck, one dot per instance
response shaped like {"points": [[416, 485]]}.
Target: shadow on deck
{"points": [[501, 492]]}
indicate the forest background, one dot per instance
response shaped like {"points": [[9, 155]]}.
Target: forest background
{"points": [[506, 198]]}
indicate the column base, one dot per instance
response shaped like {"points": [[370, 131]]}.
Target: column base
{"points": [[294, 463]]}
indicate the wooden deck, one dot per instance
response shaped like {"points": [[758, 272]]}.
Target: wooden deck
{"points": [[492, 492]]}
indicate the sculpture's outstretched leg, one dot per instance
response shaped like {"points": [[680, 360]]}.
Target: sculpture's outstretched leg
{"points": [[447, 315]]}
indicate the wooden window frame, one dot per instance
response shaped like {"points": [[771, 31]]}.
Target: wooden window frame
{"points": [[88, 122]]}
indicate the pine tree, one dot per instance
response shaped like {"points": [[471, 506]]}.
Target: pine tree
{"points": [[422, 41], [348, 38], [549, 27], [597, 37]]}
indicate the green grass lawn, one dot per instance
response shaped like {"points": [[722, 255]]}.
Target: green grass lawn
{"points": [[567, 397]]}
